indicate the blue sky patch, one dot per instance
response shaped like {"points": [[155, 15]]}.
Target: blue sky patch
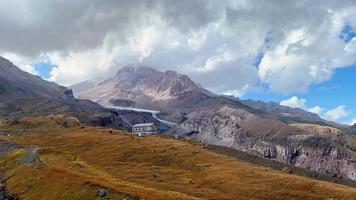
{"points": [[340, 90], [347, 33], [44, 68]]}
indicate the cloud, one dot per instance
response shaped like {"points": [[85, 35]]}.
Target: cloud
{"points": [[295, 102], [336, 114], [316, 110], [215, 42]]}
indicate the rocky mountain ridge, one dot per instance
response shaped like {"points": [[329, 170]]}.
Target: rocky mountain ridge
{"points": [[145, 86], [263, 129], [288, 114]]}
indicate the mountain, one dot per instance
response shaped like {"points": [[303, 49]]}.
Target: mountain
{"points": [[141, 87], [288, 114], [267, 130], [83, 86], [268, 138], [170, 91], [23, 94], [351, 129], [46, 138], [15, 83]]}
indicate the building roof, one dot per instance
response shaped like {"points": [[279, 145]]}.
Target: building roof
{"points": [[143, 125]]}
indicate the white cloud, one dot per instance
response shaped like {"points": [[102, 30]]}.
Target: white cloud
{"points": [[216, 61], [316, 110], [294, 102], [197, 39], [215, 42], [237, 93], [336, 114]]}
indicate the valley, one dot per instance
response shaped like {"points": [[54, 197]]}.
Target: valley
{"points": [[177, 100], [55, 145]]}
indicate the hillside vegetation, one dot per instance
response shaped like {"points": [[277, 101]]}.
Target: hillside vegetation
{"points": [[58, 158]]}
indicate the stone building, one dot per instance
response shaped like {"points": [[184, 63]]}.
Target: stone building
{"points": [[145, 129]]}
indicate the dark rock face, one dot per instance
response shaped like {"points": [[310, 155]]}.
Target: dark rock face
{"points": [[4, 195], [6, 147], [69, 93], [122, 102], [102, 193]]}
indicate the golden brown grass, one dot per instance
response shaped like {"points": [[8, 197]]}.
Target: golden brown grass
{"points": [[73, 160]]}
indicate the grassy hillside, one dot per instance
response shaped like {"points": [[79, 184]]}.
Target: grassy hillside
{"points": [[76, 161]]}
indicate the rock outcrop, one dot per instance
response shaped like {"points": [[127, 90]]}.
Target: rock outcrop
{"points": [[327, 131], [239, 129]]}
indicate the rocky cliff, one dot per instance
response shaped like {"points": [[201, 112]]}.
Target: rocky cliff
{"points": [[239, 129]]}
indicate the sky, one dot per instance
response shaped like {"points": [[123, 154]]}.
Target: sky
{"points": [[298, 53]]}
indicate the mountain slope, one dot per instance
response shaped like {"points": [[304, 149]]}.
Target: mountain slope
{"points": [[23, 94], [15, 83], [351, 130], [267, 138], [201, 115], [288, 114], [144, 87]]}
